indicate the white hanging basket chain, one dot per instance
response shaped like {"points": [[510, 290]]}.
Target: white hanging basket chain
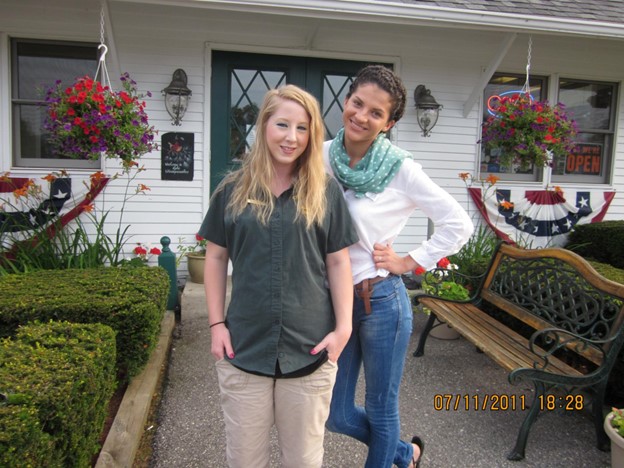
{"points": [[526, 89], [101, 72]]}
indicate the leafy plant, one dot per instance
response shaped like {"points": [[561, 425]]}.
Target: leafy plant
{"points": [[529, 132], [87, 120], [447, 290], [442, 282], [25, 246], [199, 246], [617, 421], [474, 257]]}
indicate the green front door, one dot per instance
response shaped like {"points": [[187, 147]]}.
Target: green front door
{"points": [[239, 82]]}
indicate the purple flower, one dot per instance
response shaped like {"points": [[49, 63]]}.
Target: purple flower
{"points": [[119, 126]]}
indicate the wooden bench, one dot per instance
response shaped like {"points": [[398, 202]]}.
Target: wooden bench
{"points": [[548, 318]]}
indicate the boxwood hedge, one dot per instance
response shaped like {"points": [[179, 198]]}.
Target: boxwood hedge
{"points": [[56, 380], [132, 301]]}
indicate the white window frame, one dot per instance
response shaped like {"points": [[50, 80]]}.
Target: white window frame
{"points": [[17, 160], [609, 156], [552, 88]]}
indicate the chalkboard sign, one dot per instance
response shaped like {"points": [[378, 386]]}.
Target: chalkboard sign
{"points": [[177, 156]]}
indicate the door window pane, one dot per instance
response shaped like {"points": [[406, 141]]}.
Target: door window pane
{"points": [[335, 89], [247, 91], [238, 85]]}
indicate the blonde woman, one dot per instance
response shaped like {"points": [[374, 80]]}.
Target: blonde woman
{"points": [[285, 227]]}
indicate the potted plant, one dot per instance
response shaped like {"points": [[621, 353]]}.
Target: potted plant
{"points": [[87, 120], [614, 427], [437, 282], [528, 132], [195, 255], [142, 254]]}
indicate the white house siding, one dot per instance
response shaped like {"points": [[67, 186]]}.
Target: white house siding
{"points": [[153, 40]]}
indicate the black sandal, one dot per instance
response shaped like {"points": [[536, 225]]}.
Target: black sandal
{"points": [[421, 445]]}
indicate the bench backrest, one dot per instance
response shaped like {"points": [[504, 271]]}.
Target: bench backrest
{"points": [[555, 287]]}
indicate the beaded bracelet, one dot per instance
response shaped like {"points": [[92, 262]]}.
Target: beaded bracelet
{"points": [[216, 323]]}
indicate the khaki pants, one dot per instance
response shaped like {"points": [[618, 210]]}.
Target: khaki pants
{"points": [[298, 407]]}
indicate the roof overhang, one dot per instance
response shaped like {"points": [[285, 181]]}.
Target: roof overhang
{"points": [[392, 12]]}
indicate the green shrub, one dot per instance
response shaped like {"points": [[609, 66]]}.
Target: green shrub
{"points": [[132, 301], [615, 386], [64, 376], [603, 242], [608, 271], [23, 444]]}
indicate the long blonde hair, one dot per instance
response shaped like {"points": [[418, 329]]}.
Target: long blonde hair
{"points": [[252, 182]]}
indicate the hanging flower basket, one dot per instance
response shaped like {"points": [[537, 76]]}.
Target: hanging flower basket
{"points": [[88, 120], [528, 132]]}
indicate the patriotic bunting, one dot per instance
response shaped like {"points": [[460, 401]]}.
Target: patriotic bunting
{"points": [[540, 218]]}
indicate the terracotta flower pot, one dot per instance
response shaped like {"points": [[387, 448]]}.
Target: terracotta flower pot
{"points": [[617, 443], [196, 262]]}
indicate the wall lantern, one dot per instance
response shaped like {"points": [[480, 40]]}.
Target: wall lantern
{"points": [[427, 109], [177, 96]]}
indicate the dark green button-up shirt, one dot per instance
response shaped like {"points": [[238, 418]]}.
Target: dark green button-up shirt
{"points": [[281, 305]]}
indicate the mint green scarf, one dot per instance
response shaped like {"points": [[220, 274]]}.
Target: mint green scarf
{"points": [[376, 169]]}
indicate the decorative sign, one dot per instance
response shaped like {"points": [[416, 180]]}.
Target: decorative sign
{"points": [[494, 101], [586, 159], [177, 156]]}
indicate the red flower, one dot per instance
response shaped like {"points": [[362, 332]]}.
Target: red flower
{"points": [[419, 271], [140, 250], [520, 128], [155, 251], [125, 97], [116, 117], [444, 263]]}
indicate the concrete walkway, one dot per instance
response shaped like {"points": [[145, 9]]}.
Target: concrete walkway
{"points": [[190, 430]]}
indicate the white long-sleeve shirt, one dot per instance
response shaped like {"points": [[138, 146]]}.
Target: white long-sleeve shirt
{"points": [[380, 218]]}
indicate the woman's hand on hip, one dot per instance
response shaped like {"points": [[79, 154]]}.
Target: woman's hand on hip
{"points": [[385, 257]]}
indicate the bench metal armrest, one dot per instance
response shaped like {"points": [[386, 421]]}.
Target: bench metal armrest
{"points": [[544, 343]]}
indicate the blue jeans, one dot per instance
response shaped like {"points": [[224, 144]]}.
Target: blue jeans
{"points": [[379, 341]]}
